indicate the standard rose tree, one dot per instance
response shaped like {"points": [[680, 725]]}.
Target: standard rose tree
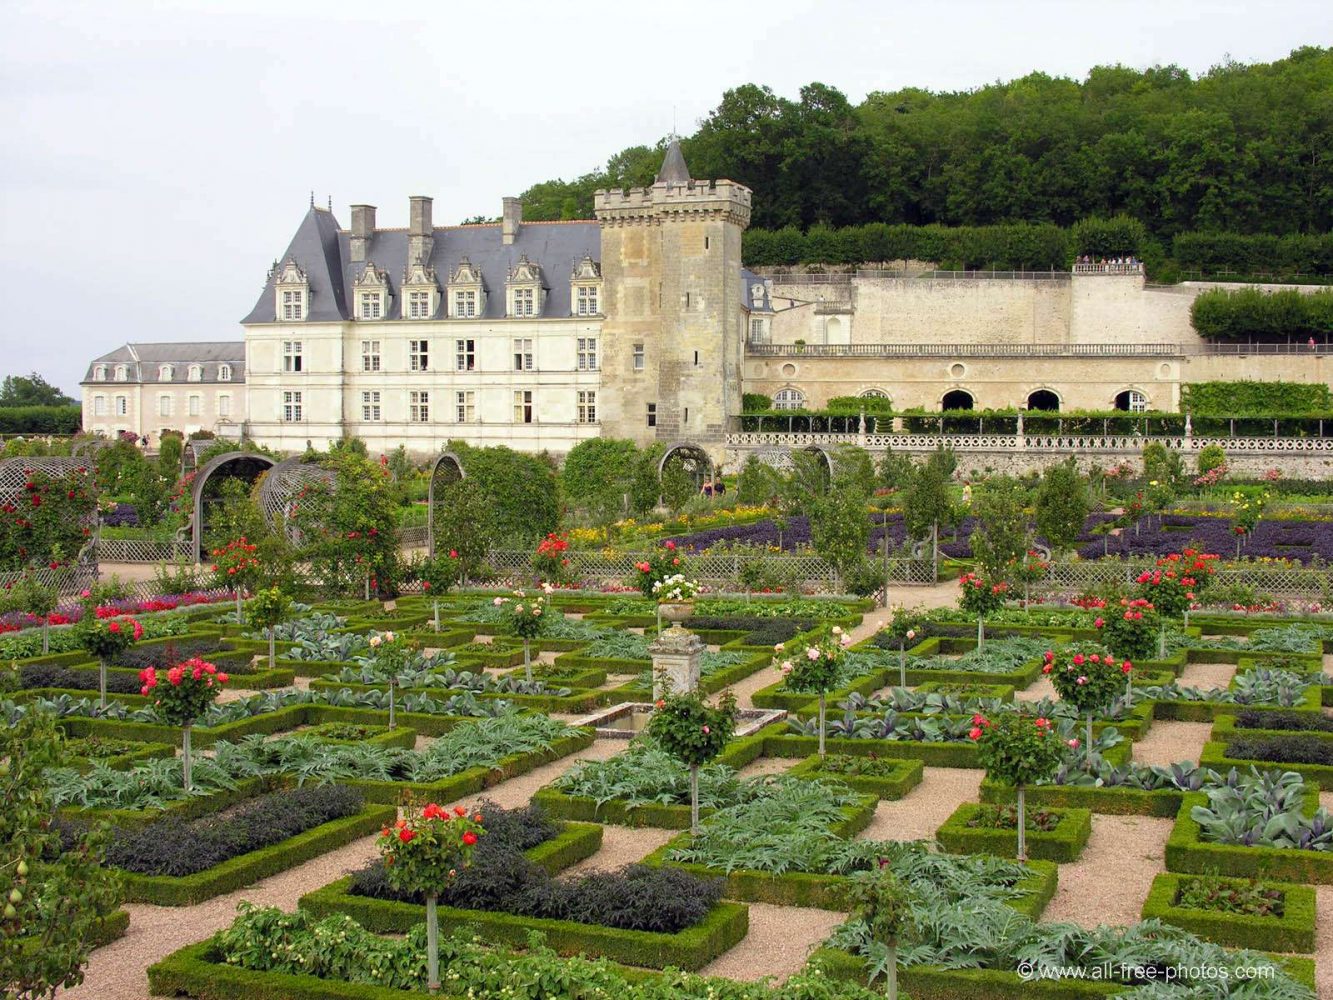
{"points": [[693, 732], [884, 902], [181, 695], [1017, 749], [424, 852], [1173, 586], [1132, 629], [236, 565], [662, 563], [267, 609], [105, 638], [814, 667], [391, 653], [906, 625], [1088, 677], [438, 575], [981, 597], [526, 619]]}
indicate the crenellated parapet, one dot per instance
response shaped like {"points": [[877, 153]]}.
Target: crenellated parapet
{"points": [[663, 201]]}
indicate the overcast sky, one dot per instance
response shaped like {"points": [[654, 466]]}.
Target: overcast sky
{"points": [[157, 157]]}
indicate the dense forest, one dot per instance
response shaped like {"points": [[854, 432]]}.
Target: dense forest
{"points": [[1243, 149]]}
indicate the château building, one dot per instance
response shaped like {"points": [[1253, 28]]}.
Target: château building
{"points": [[642, 323]]}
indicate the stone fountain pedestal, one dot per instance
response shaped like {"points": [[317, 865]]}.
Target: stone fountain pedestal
{"points": [[677, 655]]}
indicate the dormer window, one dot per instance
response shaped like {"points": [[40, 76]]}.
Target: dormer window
{"points": [[421, 292], [122, 373], [292, 292], [166, 373], [195, 373], [467, 291], [372, 293], [586, 287], [526, 294], [99, 373], [224, 373]]}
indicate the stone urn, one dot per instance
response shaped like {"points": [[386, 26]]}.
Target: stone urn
{"points": [[676, 611]]}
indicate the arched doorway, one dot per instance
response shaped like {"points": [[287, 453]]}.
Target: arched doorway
{"points": [[207, 489], [957, 399], [692, 459], [1044, 399], [1131, 400], [447, 470]]}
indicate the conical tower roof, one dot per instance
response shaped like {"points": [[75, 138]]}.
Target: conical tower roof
{"points": [[673, 169]]}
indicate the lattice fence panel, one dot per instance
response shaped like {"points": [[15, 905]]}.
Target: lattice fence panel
{"points": [[143, 550], [1280, 581]]}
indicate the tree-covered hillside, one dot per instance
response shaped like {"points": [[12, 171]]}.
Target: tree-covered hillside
{"points": [[1242, 148]]}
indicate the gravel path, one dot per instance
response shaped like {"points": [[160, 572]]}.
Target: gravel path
{"points": [[923, 810], [1207, 675], [780, 940], [622, 845], [1037, 690], [1110, 880], [767, 765], [1169, 742], [1323, 941]]}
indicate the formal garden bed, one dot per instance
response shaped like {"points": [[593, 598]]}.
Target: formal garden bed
{"points": [[1244, 913], [1053, 834]]}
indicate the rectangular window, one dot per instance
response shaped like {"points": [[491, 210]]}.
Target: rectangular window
{"points": [[587, 300], [370, 406], [418, 408], [756, 330], [587, 406], [696, 363], [293, 304], [291, 355], [370, 355], [465, 355], [523, 354], [465, 304], [224, 406], [418, 355], [652, 414], [525, 302], [291, 407], [122, 406], [465, 406], [522, 406], [164, 406], [99, 406], [587, 351], [638, 357], [195, 403], [370, 305], [418, 305]]}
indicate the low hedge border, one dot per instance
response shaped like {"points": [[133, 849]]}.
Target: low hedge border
{"points": [[474, 779], [1208, 711], [1214, 755], [933, 982], [774, 696], [1293, 931], [574, 842], [400, 736], [1001, 692], [1063, 844], [1225, 729], [244, 869], [931, 754], [907, 774], [191, 808], [124, 761], [592, 677], [1188, 853], [692, 948], [1111, 801], [109, 928], [576, 702]]}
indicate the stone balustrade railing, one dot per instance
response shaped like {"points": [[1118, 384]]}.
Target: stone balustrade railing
{"points": [[1104, 444]]}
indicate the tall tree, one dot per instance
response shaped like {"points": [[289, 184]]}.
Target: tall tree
{"points": [[32, 390], [1062, 506], [1001, 532]]}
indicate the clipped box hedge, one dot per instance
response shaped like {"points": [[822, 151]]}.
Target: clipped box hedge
{"points": [[692, 948], [1113, 801], [1188, 853], [1293, 931], [1215, 755], [244, 869], [907, 774], [1063, 844]]}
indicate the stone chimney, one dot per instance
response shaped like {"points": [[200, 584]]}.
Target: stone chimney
{"points": [[420, 230], [363, 229], [510, 220]]}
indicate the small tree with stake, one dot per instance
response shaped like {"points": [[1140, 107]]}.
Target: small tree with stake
{"points": [[105, 638], [1086, 676], [424, 852], [28, 594], [687, 728], [266, 610], [392, 653], [527, 619], [437, 575], [1017, 749], [885, 904], [981, 597], [189, 689], [814, 667], [905, 625]]}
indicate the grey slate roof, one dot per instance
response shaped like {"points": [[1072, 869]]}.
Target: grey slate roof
{"points": [[748, 280], [321, 249], [145, 360]]}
